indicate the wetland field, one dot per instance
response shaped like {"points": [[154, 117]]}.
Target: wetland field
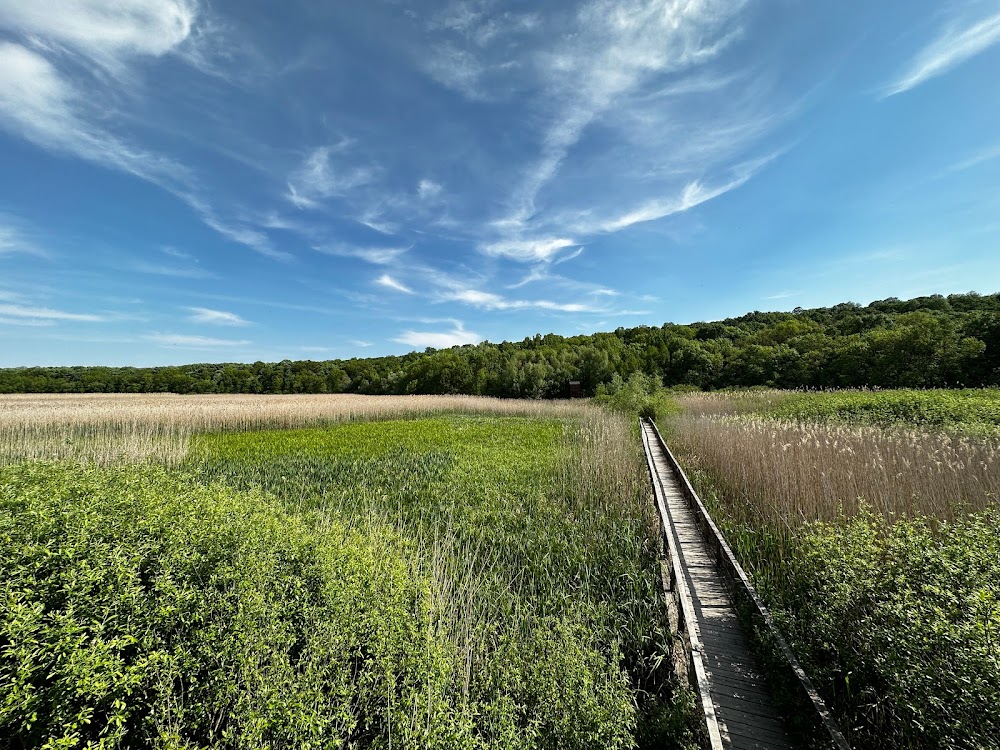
{"points": [[328, 571], [450, 571]]}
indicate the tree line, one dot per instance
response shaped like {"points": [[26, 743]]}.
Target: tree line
{"points": [[933, 341]]}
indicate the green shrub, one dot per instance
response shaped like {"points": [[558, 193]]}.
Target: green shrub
{"points": [[642, 395], [900, 625], [144, 610]]}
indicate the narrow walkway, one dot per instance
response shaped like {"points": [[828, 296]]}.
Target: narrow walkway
{"points": [[733, 691]]}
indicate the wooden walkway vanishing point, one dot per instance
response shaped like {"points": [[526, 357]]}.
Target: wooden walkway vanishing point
{"points": [[707, 590]]}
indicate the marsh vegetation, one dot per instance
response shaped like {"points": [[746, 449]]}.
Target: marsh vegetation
{"points": [[869, 520], [328, 572]]}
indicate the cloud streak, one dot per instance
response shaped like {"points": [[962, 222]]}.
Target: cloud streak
{"points": [[194, 342], [693, 194], [24, 312], [490, 301], [105, 28], [458, 336], [65, 109], [387, 281], [321, 177], [13, 241], [215, 317], [533, 250], [955, 45], [379, 256]]}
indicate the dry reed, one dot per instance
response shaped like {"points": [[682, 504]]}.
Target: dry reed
{"points": [[789, 473]]}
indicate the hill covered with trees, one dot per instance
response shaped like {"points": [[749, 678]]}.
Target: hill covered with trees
{"points": [[934, 341]]}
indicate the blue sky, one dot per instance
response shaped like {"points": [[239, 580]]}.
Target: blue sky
{"points": [[185, 181]]}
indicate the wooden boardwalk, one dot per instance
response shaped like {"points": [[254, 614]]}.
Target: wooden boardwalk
{"points": [[717, 655]]}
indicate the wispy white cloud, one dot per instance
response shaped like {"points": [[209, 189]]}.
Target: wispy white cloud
{"points": [[379, 256], [326, 173], [362, 344], [177, 272], [65, 109], [456, 68], [543, 248], [428, 190], [490, 301], [390, 283], [173, 252], [13, 240], [193, 342], [618, 45], [693, 194], [8, 296], [25, 312], [105, 28], [536, 274], [983, 157], [43, 106], [237, 232], [957, 42], [627, 67], [466, 28], [215, 317], [567, 257], [458, 336], [781, 295], [30, 322], [630, 313]]}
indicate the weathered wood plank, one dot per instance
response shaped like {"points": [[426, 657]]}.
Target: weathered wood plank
{"points": [[742, 712], [705, 572]]}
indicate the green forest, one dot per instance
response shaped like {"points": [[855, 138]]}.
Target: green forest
{"points": [[927, 342]]}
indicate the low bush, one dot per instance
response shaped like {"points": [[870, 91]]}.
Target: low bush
{"points": [[642, 395], [144, 610], [900, 624]]}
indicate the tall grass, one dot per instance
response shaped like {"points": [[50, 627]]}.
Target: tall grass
{"points": [[789, 473], [869, 522], [122, 428]]}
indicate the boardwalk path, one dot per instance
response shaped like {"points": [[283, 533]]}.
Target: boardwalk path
{"points": [[736, 699]]}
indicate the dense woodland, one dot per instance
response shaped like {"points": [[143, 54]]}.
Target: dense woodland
{"points": [[933, 341]]}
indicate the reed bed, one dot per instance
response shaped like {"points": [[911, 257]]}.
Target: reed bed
{"points": [[123, 428], [790, 473], [869, 522]]}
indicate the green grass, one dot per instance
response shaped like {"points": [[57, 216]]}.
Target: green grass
{"points": [[967, 410], [450, 582]]}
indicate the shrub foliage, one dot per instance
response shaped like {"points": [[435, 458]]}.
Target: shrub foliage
{"points": [[901, 624], [145, 610]]}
